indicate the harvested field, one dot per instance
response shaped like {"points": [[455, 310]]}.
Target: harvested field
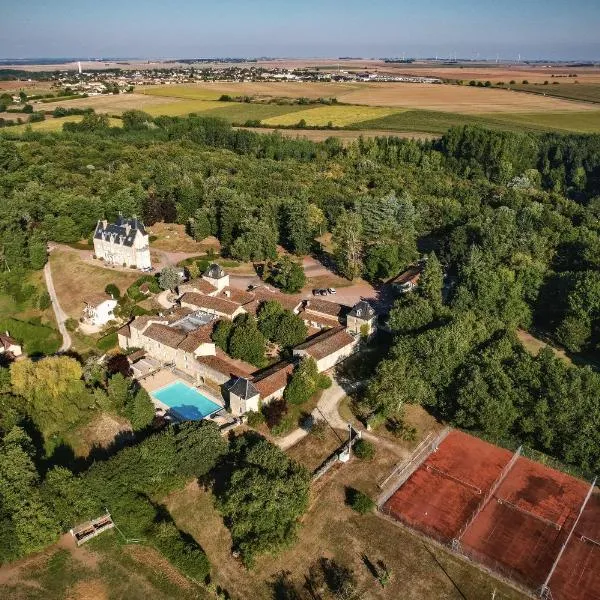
{"points": [[177, 108], [270, 89], [110, 103], [455, 98], [338, 116], [240, 112], [584, 92], [508, 513], [347, 136]]}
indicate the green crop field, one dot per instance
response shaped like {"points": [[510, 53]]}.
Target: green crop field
{"points": [[586, 92], [438, 122], [338, 116], [181, 107], [187, 92], [240, 112]]}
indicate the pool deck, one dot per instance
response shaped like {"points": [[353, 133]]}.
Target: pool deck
{"points": [[164, 377]]}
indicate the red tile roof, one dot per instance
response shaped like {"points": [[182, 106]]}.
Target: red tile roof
{"points": [[273, 379], [324, 307], [326, 343], [220, 305], [165, 335]]}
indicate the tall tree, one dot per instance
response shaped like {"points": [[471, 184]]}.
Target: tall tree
{"points": [[347, 239]]}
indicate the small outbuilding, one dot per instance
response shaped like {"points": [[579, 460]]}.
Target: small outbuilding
{"points": [[243, 397]]}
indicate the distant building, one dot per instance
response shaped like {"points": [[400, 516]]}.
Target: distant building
{"points": [[9, 347], [123, 243], [99, 310]]}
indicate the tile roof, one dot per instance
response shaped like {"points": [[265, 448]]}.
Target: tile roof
{"points": [[319, 319], [223, 365], [96, 299], [326, 343], [362, 310], [198, 285], [243, 388], [202, 335], [332, 309], [239, 296], [125, 331], [273, 379], [412, 274], [220, 305], [7, 341], [123, 229], [165, 335]]}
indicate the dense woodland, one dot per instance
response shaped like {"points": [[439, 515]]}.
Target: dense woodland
{"points": [[510, 226]]}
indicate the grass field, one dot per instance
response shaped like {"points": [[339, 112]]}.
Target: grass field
{"points": [[75, 278], [338, 116], [439, 122], [101, 570], [585, 92]]}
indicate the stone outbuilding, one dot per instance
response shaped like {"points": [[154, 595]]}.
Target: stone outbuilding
{"points": [[243, 397], [362, 320]]}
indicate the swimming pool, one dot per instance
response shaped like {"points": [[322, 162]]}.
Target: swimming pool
{"points": [[187, 402]]}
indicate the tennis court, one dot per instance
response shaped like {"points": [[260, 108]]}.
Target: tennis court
{"points": [[524, 520]]}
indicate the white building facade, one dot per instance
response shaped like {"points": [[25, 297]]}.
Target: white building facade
{"points": [[124, 243]]}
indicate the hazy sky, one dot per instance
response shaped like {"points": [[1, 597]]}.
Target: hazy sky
{"points": [[307, 28]]}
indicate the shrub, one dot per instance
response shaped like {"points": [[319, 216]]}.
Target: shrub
{"points": [[44, 301], [364, 449], [359, 501], [113, 291], [255, 418], [274, 412], [185, 554], [287, 424]]}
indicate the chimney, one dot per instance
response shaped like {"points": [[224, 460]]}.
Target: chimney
{"points": [[127, 228], [104, 224]]}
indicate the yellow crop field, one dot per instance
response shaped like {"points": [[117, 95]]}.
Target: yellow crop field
{"points": [[55, 124], [338, 116]]}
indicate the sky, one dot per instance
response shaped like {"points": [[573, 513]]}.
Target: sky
{"points": [[535, 29]]}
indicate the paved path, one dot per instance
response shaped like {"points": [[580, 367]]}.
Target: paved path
{"points": [[59, 313]]}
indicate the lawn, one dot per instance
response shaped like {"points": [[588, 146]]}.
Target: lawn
{"points": [[76, 278], [100, 570], [338, 116]]}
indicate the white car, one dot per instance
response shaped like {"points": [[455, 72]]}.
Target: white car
{"points": [[331, 290]]}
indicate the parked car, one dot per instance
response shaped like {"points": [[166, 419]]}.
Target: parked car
{"points": [[331, 290]]}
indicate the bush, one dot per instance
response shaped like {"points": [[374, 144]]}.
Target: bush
{"points": [[112, 290], [359, 501], [274, 412], [287, 424], [185, 554], [255, 418], [364, 449], [44, 301]]}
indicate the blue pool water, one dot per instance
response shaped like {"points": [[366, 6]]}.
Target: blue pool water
{"points": [[186, 401]]}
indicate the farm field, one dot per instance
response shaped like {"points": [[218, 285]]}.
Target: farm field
{"points": [[439, 122], [584, 92], [338, 116], [345, 135], [55, 124]]}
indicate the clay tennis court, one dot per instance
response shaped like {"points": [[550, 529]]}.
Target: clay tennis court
{"points": [[506, 512]]}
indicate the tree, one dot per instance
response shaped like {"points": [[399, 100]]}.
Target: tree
{"points": [[200, 225], [118, 391], [288, 275], [247, 342], [305, 381], [432, 281], [54, 394], [169, 278], [279, 325], [360, 502], [222, 333], [257, 241], [139, 409], [199, 445], [347, 240], [263, 498], [299, 226], [113, 291]]}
